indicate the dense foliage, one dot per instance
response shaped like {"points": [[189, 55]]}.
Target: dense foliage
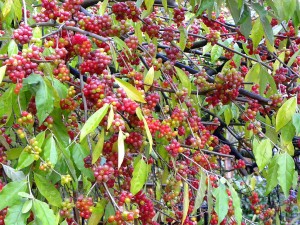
{"points": [[149, 112]]}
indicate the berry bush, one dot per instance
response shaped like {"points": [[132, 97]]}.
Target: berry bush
{"points": [[149, 112]]}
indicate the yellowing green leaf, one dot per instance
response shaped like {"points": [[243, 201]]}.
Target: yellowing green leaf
{"points": [[130, 90], [257, 32], [98, 148], [272, 174], [97, 212], [121, 148], [182, 38], [263, 153], [186, 201], [216, 52], [92, 123], [139, 175], [286, 112], [148, 81], [103, 7], [7, 7], [12, 48], [184, 79]]}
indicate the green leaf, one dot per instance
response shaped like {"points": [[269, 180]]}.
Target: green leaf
{"points": [[121, 148], [98, 212], [139, 176], [78, 154], [286, 112], [92, 123], [221, 204], [296, 122], [12, 48], [263, 153], [43, 95], [50, 151], [148, 80], [99, 147], [130, 90], [43, 214], [27, 206], [200, 192], [184, 79], [293, 58], [265, 22], [228, 115], [205, 4], [285, 172], [25, 160], [110, 118], [5, 102], [216, 52], [15, 215], [210, 202], [13, 174], [186, 201], [9, 194], [285, 8], [257, 33], [148, 133], [2, 73], [48, 190]]}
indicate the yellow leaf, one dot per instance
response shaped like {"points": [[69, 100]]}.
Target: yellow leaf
{"points": [[149, 79], [149, 136], [121, 148], [130, 90], [110, 117], [7, 7], [2, 72], [186, 201]]}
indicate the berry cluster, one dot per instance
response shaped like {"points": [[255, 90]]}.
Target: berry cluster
{"points": [[174, 148], [33, 148], [95, 62], [227, 87], [104, 173], [23, 34], [26, 119], [225, 149], [19, 67], [150, 28], [213, 36], [124, 10], [179, 15], [84, 205], [66, 208]]}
